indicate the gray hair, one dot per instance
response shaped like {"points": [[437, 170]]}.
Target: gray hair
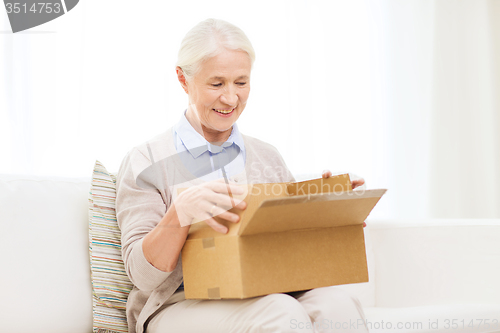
{"points": [[208, 39]]}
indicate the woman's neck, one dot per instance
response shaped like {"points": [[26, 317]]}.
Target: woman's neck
{"points": [[213, 136], [216, 137]]}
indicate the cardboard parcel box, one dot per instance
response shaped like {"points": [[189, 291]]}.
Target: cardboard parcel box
{"points": [[291, 236]]}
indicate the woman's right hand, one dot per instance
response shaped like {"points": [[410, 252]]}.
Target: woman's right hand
{"points": [[162, 245], [198, 203]]}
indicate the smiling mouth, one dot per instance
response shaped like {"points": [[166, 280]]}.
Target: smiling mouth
{"points": [[224, 111]]}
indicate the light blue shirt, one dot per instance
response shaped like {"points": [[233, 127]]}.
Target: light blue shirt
{"points": [[206, 160]]}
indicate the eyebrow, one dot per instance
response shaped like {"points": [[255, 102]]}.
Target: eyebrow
{"points": [[222, 78]]}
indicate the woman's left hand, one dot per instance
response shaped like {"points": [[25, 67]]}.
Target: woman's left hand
{"points": [[354, 183]]}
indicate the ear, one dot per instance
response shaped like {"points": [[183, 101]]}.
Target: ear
{"points": [[181, 78]]}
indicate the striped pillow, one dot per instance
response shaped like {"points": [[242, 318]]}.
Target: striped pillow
{"points": [[110, 283]]}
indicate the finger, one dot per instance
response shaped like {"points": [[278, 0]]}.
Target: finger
{"points": [[226, 215], [226, 202], [210, 209], [216, 226], [357, 183], [241, 205], [326, 173], [235, 203], [222, 187]]}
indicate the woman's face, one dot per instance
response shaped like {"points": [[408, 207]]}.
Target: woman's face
{"points": [[218, 93]]}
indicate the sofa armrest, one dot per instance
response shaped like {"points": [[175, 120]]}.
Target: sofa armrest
{"points": [[436, 261]]}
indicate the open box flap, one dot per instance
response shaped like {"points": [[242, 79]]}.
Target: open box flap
{"points": [[337, 183], [312, 211]]}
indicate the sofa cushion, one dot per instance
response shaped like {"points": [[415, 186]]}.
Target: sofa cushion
{"points": [[442, 261], [44, 254], [110, 283]]}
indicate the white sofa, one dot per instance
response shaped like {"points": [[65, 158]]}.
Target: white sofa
{"points": [[425, 275]]}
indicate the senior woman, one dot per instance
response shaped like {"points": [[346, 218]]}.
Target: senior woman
{"points": [[214, 67]]}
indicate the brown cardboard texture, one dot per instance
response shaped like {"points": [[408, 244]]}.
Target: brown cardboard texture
{"points": [[292, 236]]}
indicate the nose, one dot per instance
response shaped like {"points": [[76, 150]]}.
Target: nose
{"points": [[229, 96]]}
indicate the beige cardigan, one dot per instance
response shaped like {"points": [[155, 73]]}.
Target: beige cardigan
{"points": [[139, 208]]}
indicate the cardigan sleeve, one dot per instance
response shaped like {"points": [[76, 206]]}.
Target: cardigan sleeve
{"points": [[138, 211]]}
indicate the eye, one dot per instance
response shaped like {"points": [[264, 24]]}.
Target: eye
{"points": [[241, 83], [216, 84]]}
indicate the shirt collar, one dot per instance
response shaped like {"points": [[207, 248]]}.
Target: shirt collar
{"points": [[196, 144]]}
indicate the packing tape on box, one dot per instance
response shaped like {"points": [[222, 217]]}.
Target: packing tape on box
{"points": [[208, 243], [213, 293]]}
